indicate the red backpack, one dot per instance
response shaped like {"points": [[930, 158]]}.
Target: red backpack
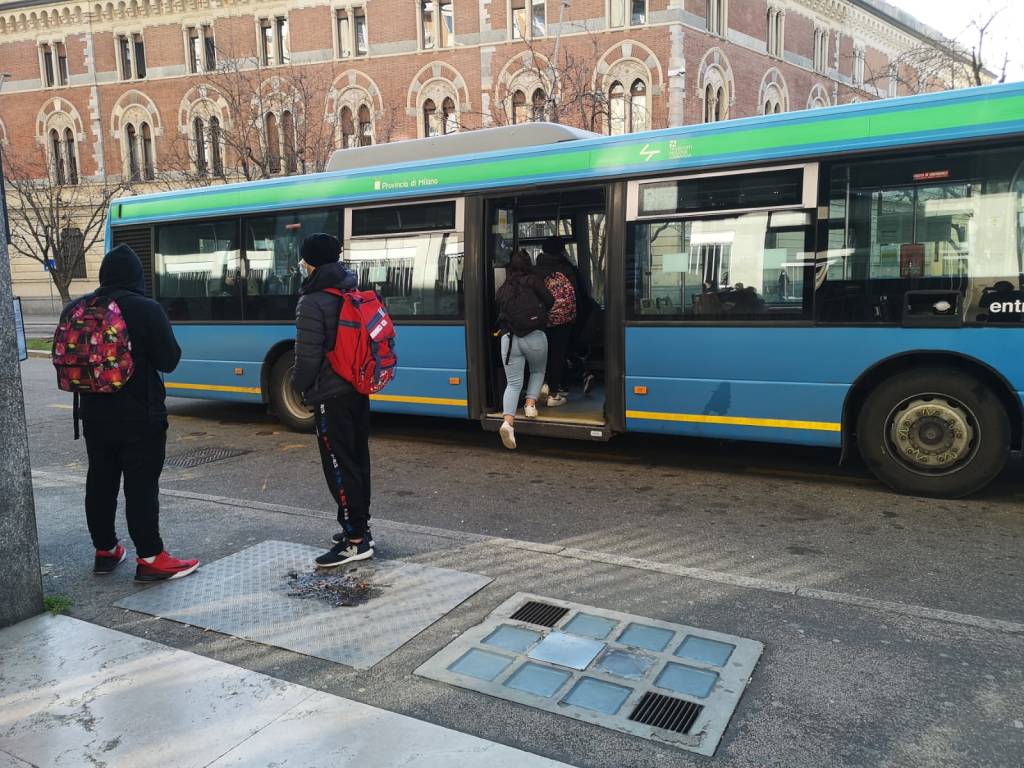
{"points": [[364, 349], [92, 351]]}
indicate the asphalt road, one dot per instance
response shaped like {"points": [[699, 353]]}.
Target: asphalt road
{"points": [[721, 536]]}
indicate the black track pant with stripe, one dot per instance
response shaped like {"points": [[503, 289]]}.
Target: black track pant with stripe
{"points": [[343, 435]]}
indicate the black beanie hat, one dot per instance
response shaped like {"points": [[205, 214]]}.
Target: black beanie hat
{"points": [[319, 249], [553, 245]]}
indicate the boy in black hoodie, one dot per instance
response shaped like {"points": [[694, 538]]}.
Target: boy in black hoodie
{"points": [[126, 431], [342, 414]]}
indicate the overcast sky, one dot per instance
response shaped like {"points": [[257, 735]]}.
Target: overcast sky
{"points": [[953, 18]]}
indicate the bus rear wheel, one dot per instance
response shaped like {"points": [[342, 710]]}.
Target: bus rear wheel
{"points": [[284, 399], [934, 432]]}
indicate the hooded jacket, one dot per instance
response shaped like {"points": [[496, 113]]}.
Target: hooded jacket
{"points": [[154, 348], [316, 328]]}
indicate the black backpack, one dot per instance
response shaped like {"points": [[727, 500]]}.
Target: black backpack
{"points": [[522, 312]]}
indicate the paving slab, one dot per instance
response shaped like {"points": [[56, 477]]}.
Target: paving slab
{"points": [[77, 694], [246, 595]]}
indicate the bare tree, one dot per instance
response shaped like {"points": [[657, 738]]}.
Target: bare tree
{"points": [[56, 219], [943, 63], [269, 122]]}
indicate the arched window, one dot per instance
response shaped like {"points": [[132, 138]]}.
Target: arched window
{"points": [[70, 156], [215, 154], [365, 126], [199, 136], [539, 100], [430, 127], [616, 109], [56, 154], [638, 106], [518, 107], [273, 143], [133, 151], [347, 128], [288, 129], [148, 166], [451, 117]]}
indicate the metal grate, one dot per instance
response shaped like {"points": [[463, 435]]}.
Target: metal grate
{"points": [[140, 240], [541, 614], [198, 456], [666, 712]]}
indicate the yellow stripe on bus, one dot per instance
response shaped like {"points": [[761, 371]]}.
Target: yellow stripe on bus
{"points": [[213, 388], [420, 400], [382, 398], [736, 421]]}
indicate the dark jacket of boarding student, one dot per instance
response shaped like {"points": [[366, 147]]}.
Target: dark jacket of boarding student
{"points": [[126, 431], [342, 415], [562, 280]]}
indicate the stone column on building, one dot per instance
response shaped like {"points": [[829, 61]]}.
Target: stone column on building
{"points": [[676, 76], [21, 589]]}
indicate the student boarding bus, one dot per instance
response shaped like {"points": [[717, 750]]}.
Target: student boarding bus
{"points": [[848, 277]]}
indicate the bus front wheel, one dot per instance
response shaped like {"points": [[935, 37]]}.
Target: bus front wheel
{"points": [[284, 399], [934, 432]]}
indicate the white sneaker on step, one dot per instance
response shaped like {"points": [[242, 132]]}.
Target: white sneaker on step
{"points": [[544, 391], [557, 400], [508, 436], [530, 411]]}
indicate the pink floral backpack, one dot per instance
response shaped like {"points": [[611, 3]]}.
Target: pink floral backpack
{"points": [[92, 351]]}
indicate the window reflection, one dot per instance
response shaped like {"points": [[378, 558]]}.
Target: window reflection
{"points": [[419, 276], [198, 271], [754, 266], [927, 223]]}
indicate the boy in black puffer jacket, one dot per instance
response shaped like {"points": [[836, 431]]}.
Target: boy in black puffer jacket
{"points": [[342, 414]]}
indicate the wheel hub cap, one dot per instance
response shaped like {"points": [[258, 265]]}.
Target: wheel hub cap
{"points": [[931, 434]]}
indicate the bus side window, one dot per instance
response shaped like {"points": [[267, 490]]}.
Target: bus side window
{"points": [[197, 269], [752, 267], [927, 223], [272, 277]]}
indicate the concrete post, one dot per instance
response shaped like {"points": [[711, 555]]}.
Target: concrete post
{"points": [[21, 587]]}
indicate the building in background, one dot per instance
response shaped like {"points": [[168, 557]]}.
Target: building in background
{"points": [[152, 93]]}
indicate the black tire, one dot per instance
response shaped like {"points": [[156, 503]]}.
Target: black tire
{"points": [[284, 399], [934, 432]]}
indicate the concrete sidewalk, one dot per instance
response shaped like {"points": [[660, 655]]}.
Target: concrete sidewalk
{"points": [[839, 684], [73, 693]]}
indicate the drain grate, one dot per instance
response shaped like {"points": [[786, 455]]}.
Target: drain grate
{"points": [[666, 712], [206, 455], [541, 614]]}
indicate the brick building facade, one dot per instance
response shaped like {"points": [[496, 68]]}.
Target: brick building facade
{"points": [[192, 91]]}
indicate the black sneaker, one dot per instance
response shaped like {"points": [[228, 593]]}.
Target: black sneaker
{"points": [[588, 382], [345, 552], [106, 561], [341, 536]]}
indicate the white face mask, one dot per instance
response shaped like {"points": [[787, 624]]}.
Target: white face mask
{"points": [[303, 269]]}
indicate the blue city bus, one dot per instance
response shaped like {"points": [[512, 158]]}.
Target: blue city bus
{"points": [[847, 277]]}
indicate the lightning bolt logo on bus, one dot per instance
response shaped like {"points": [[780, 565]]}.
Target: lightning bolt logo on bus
{"points": [[648, 154]]}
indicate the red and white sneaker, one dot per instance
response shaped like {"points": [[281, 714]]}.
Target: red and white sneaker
{"points": [[164, 567], [107, 560]]}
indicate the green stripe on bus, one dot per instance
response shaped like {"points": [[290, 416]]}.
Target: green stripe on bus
{"points": [[581, 159]]}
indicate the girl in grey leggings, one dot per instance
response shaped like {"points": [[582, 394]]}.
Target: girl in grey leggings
{"points": [[523, 303], [532, 350]]}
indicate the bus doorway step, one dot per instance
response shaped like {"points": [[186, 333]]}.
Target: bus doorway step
{"points": [[566, 430]]}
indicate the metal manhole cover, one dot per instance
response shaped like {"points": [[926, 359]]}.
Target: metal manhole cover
{"points": [[197, 456]]}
